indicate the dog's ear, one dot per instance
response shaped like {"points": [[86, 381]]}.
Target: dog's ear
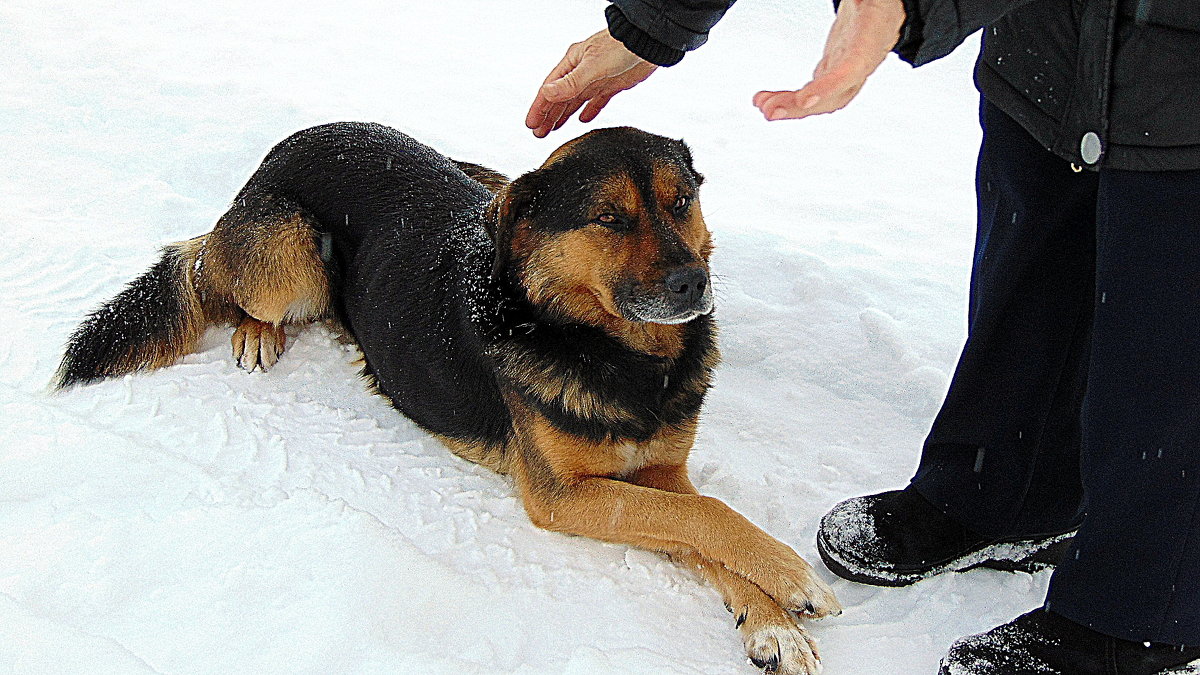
{"points": [[513, 202], [686, 154]]}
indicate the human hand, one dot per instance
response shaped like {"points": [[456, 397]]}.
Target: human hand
{"points": [[592, 72], [862, 35]]}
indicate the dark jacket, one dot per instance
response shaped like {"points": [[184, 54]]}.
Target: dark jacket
{"points": [[1113, 83]]}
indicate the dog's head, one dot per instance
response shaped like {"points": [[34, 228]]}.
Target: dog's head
{"points": [[609, 228]]}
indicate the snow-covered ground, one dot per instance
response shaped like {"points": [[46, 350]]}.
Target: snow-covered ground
{"points": [[203, 520]]}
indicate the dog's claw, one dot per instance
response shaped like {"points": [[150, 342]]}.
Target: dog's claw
{"points": [[741, 619], [770, 665], [815, 602], [784, 649], [257, 344]]}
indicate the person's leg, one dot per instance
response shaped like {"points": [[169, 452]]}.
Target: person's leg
{"points": [[1002, 456], [998, 484], [1134, 568], [1126, 597]]}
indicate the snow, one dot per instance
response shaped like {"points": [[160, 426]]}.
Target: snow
{"points": [[200, 519], [855, 541]]}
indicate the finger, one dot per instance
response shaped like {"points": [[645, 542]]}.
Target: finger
{"points": [[813, 98], [547, 123], [593, 108], [572, 83], [544, 116], [541, 104], [563, 112], [771, 101], [566, 114], [537, 112], [793, 109], [803, 103], [543, 107], [762, 96]]}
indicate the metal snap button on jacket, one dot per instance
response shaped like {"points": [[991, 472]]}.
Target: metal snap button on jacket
{"points": [[1089, 147]]}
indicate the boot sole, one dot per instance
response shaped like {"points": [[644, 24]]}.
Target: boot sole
{"points": [[1189, 669], [1020, 555]]}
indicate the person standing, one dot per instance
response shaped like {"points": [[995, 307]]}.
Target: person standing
{"points": [[1070, 434]]}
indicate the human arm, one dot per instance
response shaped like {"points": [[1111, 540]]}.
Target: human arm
{"points": [[863, 33], [641, 36]]}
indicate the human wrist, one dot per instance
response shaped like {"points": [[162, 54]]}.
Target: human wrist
{"points": [[638, 41]]}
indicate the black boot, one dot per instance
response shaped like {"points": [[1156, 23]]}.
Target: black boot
{"points": [[897, 538], [1043, 643]]}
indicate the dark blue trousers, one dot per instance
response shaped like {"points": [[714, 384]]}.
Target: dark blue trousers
{"points": [[1076, 401]]}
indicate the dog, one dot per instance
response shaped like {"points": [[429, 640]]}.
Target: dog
{"points": [[556, 328]]}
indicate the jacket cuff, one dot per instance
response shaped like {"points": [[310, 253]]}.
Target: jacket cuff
{"points": [[638, 41], [911, 33], [911, 37]]}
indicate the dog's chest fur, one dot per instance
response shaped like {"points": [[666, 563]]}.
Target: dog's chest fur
{"points": [[590, 385]]}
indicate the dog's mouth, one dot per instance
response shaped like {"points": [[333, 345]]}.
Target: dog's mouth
{"points": [[664, 306]]}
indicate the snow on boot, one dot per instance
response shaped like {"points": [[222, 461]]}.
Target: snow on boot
{"points": [[1044, 643], [897, 538]]}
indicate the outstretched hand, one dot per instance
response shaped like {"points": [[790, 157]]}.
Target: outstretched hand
{"points": [[592, 72], [862, 35]]}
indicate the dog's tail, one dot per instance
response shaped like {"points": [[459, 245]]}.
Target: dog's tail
{"points": [[154, 321]]}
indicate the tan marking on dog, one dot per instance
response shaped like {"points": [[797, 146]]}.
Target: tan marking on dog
{"points": [[767, 628], [490, 456], [494, 181], [575, 489], [282, 278], [190, 323], [576, 272], [550, 386], [667, 182]]}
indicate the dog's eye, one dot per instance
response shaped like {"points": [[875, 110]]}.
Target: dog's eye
{"points": [[611, 221], [681, 205]]}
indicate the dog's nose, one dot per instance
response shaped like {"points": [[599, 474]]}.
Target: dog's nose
{"points": [[687, 283]]}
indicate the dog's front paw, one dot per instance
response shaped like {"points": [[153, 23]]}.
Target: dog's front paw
{"points": [[814, 598], [791, 581], [257, 344], [776, 644]]}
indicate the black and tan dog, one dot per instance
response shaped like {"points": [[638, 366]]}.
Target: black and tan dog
{"points": [[556, 328]]}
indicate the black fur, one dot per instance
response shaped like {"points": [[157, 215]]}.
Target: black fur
{"points": [[647, 392], [409, 234], [119, 335], [563, 190], [412, 262]]}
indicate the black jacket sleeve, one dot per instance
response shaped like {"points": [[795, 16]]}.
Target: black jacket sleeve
{"points": [[661, 31], [935, 27]]}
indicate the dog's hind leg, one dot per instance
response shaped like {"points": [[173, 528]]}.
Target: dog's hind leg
{"points": [[264, 257], [259, 268]]}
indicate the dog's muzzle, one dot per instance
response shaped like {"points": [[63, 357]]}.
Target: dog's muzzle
{"points": [[684, 294]]}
